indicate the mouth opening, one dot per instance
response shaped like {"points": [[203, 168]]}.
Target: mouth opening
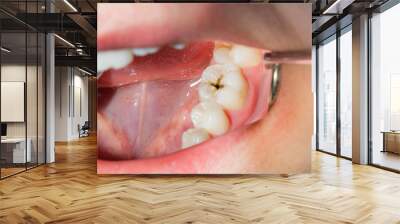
{"points": [[160, 101]]}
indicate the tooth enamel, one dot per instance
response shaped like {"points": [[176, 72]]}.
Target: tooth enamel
{"points": [[194, 136], [230, 98], [207, 91], [144, 51], [210, 116], [232, 86], [115, 59], [222, 56], [245, 56], [179, 46]]}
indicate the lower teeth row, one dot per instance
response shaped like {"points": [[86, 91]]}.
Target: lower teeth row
{"points": [[222, 87]]}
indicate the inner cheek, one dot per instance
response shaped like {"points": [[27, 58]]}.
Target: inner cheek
{"points": [[287, 125]]}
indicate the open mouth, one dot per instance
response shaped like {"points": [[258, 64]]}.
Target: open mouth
{"points": [[169, 109], [172, 103]]}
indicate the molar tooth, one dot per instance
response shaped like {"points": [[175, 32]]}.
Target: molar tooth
{"points": [[144, 51], [224, 84], [245, 56], [194, 136], [221, 55], [179, 46], [210, 116], [115, 59], [230, 98], [207, 92]]}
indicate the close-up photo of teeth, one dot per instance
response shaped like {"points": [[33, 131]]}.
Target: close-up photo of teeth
{"points": [[204, 88]]}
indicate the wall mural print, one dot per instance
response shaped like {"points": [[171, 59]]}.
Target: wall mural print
{"points": [[204, 88]]}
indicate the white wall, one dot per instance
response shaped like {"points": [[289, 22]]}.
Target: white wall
{"points": [[71, 93], [33, 127], [62, 81], [17, 73]]}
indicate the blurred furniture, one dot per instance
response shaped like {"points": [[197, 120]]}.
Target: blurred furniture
{"points": [[391, 141], [84, 130], [13, 150]]}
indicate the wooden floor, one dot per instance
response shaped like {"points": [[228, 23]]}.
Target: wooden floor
{"points": [[10, 171], [387, 159], [70, 191]]}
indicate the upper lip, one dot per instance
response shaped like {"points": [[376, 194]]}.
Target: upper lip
{"points": [[148, 25]]}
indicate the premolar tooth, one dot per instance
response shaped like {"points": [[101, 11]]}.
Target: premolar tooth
{"points": [[179, 46], [115, 59], [224, 84], [144, 51], [221, 55], [245, 56], [194, 136], [210, 116]]}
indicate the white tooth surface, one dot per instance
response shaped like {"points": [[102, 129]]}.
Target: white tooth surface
{"points": [[194, 136], [221, 55], [115, 59], [210, 116], [144, 51], [233, 86], [245, 56], [233, 78], [207, 92], [230, 98], [179, 46]]}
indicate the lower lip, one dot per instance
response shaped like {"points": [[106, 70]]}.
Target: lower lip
{"points": [[203, 158]]}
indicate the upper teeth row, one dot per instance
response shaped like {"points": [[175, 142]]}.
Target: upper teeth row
{"points": [[117, 59], [222, 87]]}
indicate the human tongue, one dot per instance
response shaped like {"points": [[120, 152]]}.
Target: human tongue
{"points": [[136, 103], [145, 118]]}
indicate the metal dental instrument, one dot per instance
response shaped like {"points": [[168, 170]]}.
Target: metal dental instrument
{"points": [[290, 57], [275, 81], [274, 60]]}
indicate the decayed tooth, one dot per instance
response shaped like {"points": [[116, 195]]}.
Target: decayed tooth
{"points": [[144, 51], [207, 91], [224, 84], [211, 117], [221, 55], [245, 56], [194, 136], [179, 46], [115, 59]]}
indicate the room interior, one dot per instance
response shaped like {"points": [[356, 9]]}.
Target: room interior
{"points": [[24, 89], [334, 73]]}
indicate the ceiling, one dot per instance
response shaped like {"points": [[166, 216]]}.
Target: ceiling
{"points": [[76, 23], [332, 15]]}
